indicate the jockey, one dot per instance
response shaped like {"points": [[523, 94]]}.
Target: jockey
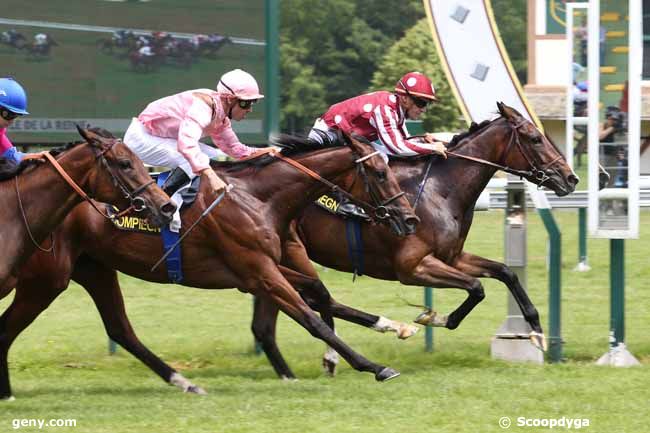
{"points": [[382, 115], [146, 51], [40, 39], [13, 103], [168, 131], [380, 118]]}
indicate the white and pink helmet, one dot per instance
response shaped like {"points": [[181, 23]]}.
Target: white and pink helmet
{"points": [[240, 84]]}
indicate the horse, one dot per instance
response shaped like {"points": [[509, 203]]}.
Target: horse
{"points": [[144, 63], [238, 245], [36, 195], [444, 194], [35, 51]]}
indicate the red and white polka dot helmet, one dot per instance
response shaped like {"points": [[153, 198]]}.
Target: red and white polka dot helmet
{"points": [[416, 84]]}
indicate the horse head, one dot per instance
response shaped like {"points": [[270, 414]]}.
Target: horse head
{"points": [[533, 155], [120, 177], [382, 187]]}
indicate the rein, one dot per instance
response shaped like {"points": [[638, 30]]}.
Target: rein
{"points": [[380, 211], [137, 203], [538, 174]]}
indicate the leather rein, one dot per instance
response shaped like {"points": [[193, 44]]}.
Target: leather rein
{"points": [[379, 209], [538, 174], [138, 204]]}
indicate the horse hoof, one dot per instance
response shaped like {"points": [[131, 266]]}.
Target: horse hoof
{"points": [[10, 398], [330, 367], [405, 331], [432, 318], [193, 389], [386, 374], [538, 339], [424, 317], [285, 378]]}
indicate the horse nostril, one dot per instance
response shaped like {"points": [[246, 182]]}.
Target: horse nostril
{"points": [[412, 222], [574, 179]]}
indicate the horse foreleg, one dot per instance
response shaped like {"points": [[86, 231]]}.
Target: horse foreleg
{"points": [[265, 315], [481, 267], [278, 289], [432, 272], [32, 297], [103, 286]]}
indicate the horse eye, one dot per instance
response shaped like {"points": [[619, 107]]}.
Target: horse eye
{"points": [[125, 164], [536, 139], [381, 175]]}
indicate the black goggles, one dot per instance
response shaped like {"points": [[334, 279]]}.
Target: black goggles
{"points": [[8, 115], [246, 104], [419, 102]]}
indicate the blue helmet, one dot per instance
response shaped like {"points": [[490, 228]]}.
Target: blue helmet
{"points": [[12, 96]]}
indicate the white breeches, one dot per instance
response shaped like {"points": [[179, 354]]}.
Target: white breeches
{"points": [[159, 151]]}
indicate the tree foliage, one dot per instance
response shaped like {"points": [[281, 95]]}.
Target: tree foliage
{"points": [[511, 20], [416, 52], [329, 51]]}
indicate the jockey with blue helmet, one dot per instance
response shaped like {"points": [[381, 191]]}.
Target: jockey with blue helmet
{"points": [[13, 103]]}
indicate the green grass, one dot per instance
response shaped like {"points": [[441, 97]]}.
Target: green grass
{"points": [[60, 367]]}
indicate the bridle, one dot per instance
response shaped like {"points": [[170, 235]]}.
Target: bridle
{"points": [[379, 207], [537, 171], [138, 204]]}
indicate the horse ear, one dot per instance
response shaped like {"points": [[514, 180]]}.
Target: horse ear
{"points": [[90, 137], [501, 106], [82, 132]]}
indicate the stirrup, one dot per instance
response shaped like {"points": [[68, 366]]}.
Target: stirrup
{"points": [[351, 210], [177, 178]]}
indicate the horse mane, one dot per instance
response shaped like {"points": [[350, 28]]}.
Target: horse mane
{"points": [[474, 128], [10, 169], [291, 145]]}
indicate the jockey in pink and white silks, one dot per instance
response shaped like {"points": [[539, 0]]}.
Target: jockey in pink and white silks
{"points": [[168, 131], [382, 115]]}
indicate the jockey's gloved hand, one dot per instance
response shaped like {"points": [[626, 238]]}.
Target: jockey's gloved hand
{"points": [[215, 183], [436, 147]]}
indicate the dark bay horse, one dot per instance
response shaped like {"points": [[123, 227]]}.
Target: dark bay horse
{"points": [[434, 256], [238, 245], [35, 197]]}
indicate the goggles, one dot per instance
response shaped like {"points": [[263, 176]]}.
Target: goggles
{"points": [[8, 115], [419, 102], [246, 104]]}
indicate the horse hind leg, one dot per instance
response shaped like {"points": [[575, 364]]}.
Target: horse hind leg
{"points": [[103, 286]]}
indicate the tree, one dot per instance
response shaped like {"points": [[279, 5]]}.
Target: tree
{"points": [[511, 20], [416, 52], [329, 51]]}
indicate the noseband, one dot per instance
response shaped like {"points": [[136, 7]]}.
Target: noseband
{"points": [[535, 172], [379, 208], [138, 204]]}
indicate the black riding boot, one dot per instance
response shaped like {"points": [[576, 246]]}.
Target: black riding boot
{"points": [[177, 178]]}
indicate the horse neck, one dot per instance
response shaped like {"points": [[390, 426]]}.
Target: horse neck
{"points": [[461, 181], [47, 198], [295, 189]]}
